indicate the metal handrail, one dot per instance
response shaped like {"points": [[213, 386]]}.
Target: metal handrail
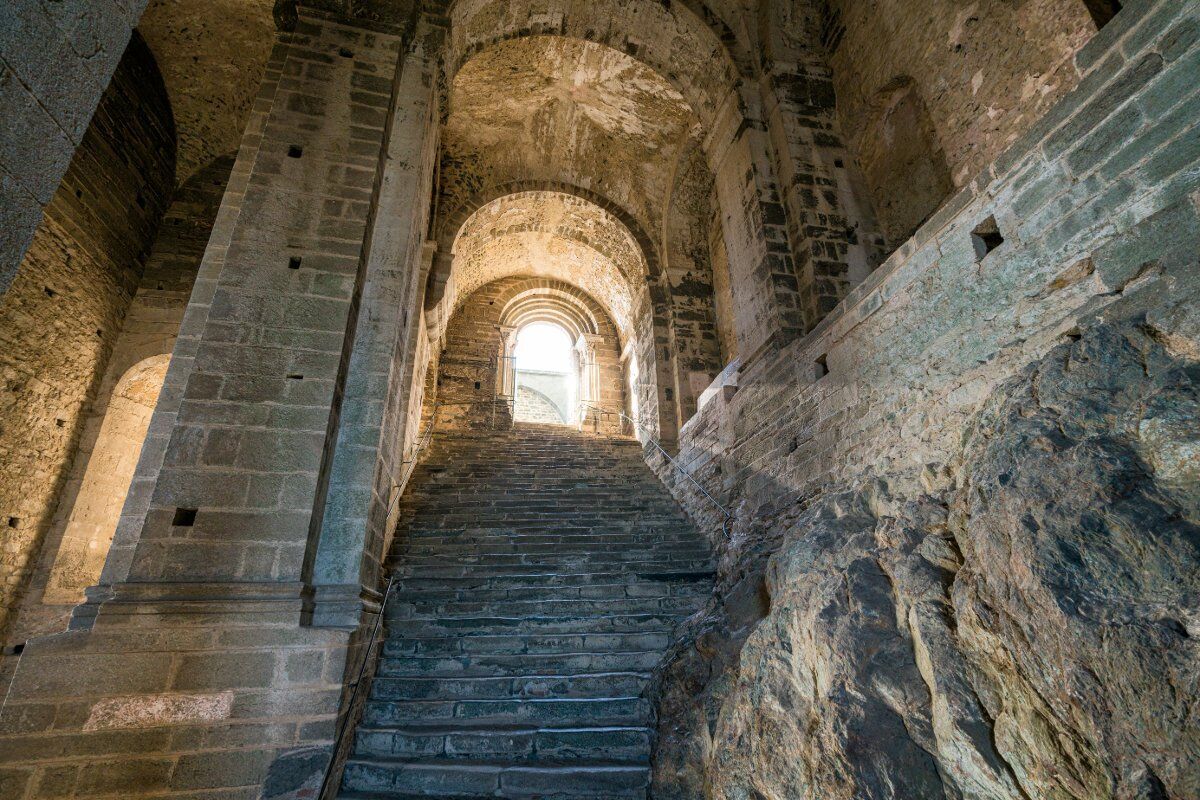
{"points": [[356, 684], [678, 467]]}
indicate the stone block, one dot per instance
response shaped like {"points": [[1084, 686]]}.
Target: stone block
{"points": [[227, 670]]}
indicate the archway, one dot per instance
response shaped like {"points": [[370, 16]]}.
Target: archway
{"points": [[545, 374], [97, 509]]}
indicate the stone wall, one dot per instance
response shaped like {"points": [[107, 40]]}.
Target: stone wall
{"points": [[56, 60], [890, 609], [63, 313], [202, 678], [80, 533], [986, 71]]}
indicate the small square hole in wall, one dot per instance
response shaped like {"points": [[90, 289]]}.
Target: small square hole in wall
{"points": [[478, 385], [1102, 11], [346, 52], [295, 151], [986, 237], [184, 517], [821, 366], [60, 423], [837, 162], [294, 262], [14, 522]]}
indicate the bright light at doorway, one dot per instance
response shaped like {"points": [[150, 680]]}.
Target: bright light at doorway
{"points": [[545, 375], [544, 347]]}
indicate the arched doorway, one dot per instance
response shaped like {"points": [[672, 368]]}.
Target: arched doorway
{"points": [[546, 372]]}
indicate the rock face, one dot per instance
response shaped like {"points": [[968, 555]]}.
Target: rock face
{"points": [[1028, 633]]}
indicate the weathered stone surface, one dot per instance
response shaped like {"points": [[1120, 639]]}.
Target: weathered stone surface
{"points": [[1028, 634]]}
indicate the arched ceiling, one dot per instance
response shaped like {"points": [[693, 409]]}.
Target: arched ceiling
{"points": [[212, 55], [684, 42], [552, 235], [556, 109]]}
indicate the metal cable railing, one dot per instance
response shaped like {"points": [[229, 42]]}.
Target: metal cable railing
{"points": [[410, 465], [727, 516]]}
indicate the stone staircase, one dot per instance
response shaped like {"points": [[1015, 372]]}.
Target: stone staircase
{"points": [[540, 573]]}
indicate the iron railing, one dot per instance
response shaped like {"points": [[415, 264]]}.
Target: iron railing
{"points": [[637, 425]]}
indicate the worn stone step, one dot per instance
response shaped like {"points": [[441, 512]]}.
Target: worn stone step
{"points": [[430, 592], [420, 608], [594, 684], [604, 568], [626, 743], [470, 781], [434, 626], [513, 664], [552, 580], [527, 643], [557, 710]]}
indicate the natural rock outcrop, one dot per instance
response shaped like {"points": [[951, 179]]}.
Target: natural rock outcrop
{"points": [[1027, 633]]}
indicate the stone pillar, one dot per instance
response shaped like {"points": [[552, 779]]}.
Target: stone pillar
{"points": [[240, 490], [190, 672], [505, 366], [588, 379], [832, 235], [365, 472], [762, 274]]}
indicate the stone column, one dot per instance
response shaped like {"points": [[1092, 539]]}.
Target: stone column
{"points": [[762, 273], [505, 366]]}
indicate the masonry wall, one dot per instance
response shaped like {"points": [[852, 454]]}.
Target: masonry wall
{"points": [[1097, 204], [986, 71], [466, 383], [56, 59], [70, 562], [63, 313]]}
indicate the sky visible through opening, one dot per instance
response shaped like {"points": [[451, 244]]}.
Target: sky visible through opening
{"points": [[544, 347]]}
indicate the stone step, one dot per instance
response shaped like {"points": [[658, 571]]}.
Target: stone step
{"points": [[433, 626], [626, 743], [517, 664], [435, 592], [646, 580], [534, 571], [505, 538], [488, 611], [630, 711], [590, 684], [451, 780], [567, 558], [527, 643]]}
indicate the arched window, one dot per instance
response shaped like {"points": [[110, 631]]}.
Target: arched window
{"points": [[546, 375]]}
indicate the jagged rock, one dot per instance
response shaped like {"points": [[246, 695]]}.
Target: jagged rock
{"points": [[1078, 601], [1029, 635]]}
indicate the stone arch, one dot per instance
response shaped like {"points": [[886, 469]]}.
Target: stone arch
{"points": [[689, 47], [451, 225], [97, 508], [481, 333], [551, 301], [901, 159]]}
